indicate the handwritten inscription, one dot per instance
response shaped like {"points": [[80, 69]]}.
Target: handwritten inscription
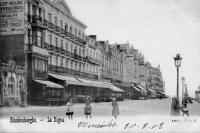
{"points": [[99, 125]]}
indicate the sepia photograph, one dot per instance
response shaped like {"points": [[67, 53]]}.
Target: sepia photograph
{"points": [[119, 66]]}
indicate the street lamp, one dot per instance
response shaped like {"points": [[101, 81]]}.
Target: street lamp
{"points": [[177, 60]]}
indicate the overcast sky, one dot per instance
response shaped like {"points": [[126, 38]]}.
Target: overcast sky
{"points": [[158, 28]]}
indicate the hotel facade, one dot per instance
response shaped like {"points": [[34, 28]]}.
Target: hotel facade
{"points": [[58, 60]]}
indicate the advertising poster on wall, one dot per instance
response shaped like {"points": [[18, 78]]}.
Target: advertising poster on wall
{"points": [[11, 17]]}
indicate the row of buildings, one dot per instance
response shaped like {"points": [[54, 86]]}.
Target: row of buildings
{"points": [[46, 58]]}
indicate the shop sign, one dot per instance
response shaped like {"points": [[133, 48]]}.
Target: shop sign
{"points": [[11, 17]]}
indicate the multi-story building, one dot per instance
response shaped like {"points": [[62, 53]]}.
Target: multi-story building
{"points": [[50, 43], [156, 82]]}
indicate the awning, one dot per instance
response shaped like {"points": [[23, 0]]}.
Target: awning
{"points": [[152, 90], [134, 87], [161, 93], [68, 79], [92, 83], [49, 84], [141, 88], [116, 89]]}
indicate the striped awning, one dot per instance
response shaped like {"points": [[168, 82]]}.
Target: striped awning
{"points": [[151, 90], [49, 84], [141, 88], [68, 79], [135, 87]]}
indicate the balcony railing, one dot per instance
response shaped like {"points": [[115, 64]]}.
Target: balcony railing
{"points": [[71, 72], [50, 25], [57, 28], [36, 18], [45, 23], [63, 31]]}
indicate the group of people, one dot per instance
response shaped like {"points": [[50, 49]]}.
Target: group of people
{"points": [[88, 108]]}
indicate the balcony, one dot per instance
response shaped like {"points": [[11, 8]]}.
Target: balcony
{"points": [[57, 49], [51, 47], [57, 28], [62, 51], [66, 34], [50, 25], [63, 31], [37, 21], [45, 23], [59, 69]]}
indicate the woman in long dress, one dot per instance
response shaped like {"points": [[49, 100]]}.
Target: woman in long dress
{"points": [[115, 110]]}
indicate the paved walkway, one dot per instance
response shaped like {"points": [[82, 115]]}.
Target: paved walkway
{"points": [[127, 108]]}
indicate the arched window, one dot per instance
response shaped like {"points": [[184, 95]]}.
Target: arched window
{"points": [[11, 85]]}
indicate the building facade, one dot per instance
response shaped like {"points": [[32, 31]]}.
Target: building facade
{"points": [[61, 62]]}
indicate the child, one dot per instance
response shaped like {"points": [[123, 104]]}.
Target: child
{"points": [[88, 109], [70, 112], [115, 110]]}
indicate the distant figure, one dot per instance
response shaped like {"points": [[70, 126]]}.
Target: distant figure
{"points": [[115, 110], [70, 112], [185, 108], [88, 109]]}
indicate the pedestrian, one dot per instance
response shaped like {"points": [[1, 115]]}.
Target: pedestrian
{"points": [[88, 109], [115, 105], [185, 109], [70, 112]]}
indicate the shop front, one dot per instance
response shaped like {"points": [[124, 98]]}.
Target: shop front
{"points": [[47, 93], [13, 90]]}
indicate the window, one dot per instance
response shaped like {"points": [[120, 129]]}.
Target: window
{"points": [[56, 60], [79, 34], [11, 85], [75, 50], [70, 29], [40, 12], [40, 65], [66, 27], [56, 41], [49, 17], [75, 65], [62, 60], [61, 44], [56, 19], [71, 47], [39, 39], [66, 63], [61, 24], [79, 66], [80, 51], [50, 39], [75, 32], [66, 46]]}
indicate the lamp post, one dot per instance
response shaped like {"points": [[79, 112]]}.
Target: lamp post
{"points": [[177, 60]]}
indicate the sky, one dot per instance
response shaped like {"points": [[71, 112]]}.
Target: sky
{"points": [[158, 28]]}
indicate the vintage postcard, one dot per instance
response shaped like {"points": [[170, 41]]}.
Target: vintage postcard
{"points": [[100, 66]]}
